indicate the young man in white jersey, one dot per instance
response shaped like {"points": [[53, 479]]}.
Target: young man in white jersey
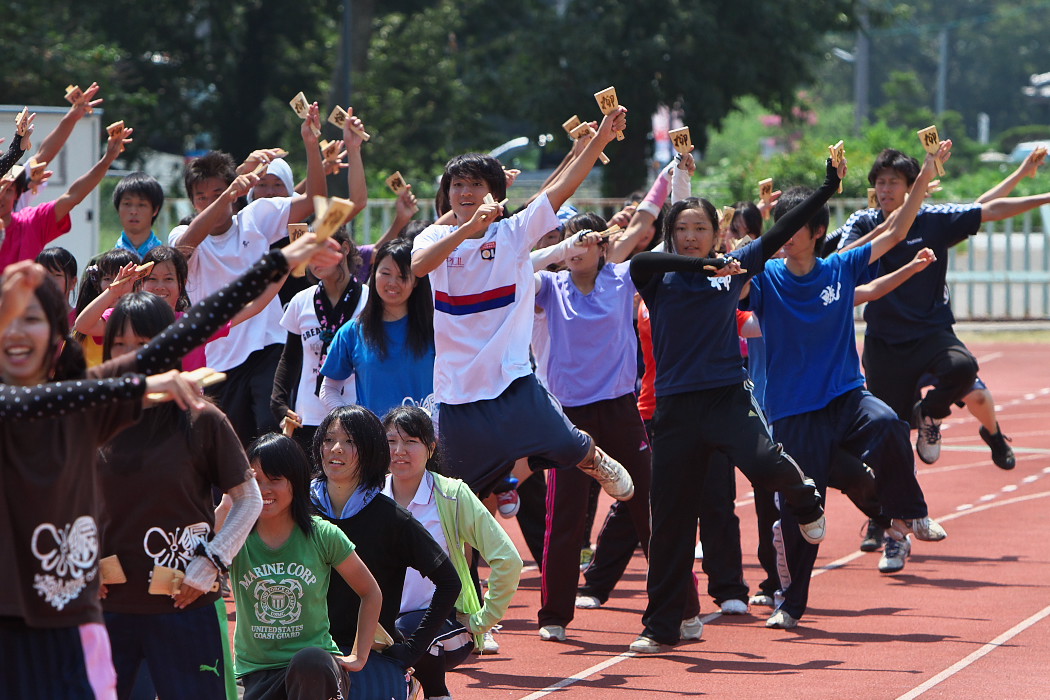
{"points": [[493, 409]]}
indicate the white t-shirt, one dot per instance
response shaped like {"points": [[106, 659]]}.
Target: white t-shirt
{"points": [[484, 298], [418, 590], [301, 318], [541, 344], [223, 258]]}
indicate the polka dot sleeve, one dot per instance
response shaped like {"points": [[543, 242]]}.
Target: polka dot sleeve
{"points": [[206, 317], [59, 398]]}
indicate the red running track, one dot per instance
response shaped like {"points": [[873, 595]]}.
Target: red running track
{"points": [[967, 618]]}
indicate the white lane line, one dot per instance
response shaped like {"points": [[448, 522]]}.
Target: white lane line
{"points": [[837, 564], [983, 651], [987, 497]]}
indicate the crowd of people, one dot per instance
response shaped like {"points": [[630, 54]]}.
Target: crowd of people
{"points": [[323, 431]]}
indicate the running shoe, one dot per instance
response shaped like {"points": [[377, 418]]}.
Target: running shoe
{"points": [[761, 600], [610, 474], [734, 607], [894, 554], [872, 541], [587, 602], [691, 629], [781, 620], [814, 532], [646, 645], [928, 439], [1002, 454], [925, 529], [552, 633], [489, 644], [508, 503]]}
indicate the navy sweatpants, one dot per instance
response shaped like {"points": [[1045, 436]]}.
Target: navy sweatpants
{"points": [[866, 427]]}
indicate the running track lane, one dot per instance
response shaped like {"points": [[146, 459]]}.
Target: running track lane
{"points": [[966, 618]]}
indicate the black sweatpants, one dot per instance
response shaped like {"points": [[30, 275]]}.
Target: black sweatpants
{"points": [[245, 395], [689, 428], [894, 371], [312, 673]]}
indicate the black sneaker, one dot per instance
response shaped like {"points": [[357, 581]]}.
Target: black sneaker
{"points": [[872, 541], [1002, 454]]}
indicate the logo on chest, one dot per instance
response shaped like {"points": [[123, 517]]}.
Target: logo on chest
{"points": [[488, 251], [829, 295], [721, 283]]}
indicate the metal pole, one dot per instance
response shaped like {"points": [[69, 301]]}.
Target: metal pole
{"points": [[942, 72], [861, 71]]}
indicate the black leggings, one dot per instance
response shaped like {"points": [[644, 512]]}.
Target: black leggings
{"points": [[690, 427]]}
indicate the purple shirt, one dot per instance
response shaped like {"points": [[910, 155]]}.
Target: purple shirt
{"points": [[593, 346]]}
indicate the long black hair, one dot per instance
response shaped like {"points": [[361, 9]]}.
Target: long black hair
{"points": [[369, 438], [281, 456], [147, 313], [414, 422], [420, 304], [66, 355]]}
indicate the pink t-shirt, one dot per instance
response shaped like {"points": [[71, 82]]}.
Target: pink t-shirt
{"points": [[195, 359], [31, 229]]}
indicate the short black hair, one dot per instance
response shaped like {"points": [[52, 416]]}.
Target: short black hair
{"points": [[795, 196], [369, 438], [476, 165], [148, 315], [413, 421], [211, 164], [892, 159], [58, 260], [281, 456], [143, 185]]}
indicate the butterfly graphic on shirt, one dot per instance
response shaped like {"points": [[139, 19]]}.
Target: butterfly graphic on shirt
{"points": [[67, 556], [174, 549]]}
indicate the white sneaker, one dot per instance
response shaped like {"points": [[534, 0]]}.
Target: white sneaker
{"points": [[814, 532], [734, 607], [610, 474], [646, 645], [489, 644], [691, 629], [894, 553], [924, 529], [781, 620], [587, 602], [552, 633], [762, 600], [928, 439]]}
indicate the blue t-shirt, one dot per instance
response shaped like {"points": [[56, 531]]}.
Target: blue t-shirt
{"points": [[807, 323], [592, 338], [382, 384], [693, 316], [921, 305]]}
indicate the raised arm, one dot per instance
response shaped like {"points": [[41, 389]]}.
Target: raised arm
{"points": [[1029, 168], [54, 141], [89, 180], [206, 317], [90, 320], [900, 222], [219, 213], [1006, 207], [355, 174], [797, 217], [316, 185], [404, 210], [575, 173], [13, 154], [644, 216]]}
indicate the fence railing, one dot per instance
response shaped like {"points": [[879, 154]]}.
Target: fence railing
{"points": [[1002, 273]]}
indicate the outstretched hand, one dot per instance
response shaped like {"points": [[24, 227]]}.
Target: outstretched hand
{"points": [[19, 284]]}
